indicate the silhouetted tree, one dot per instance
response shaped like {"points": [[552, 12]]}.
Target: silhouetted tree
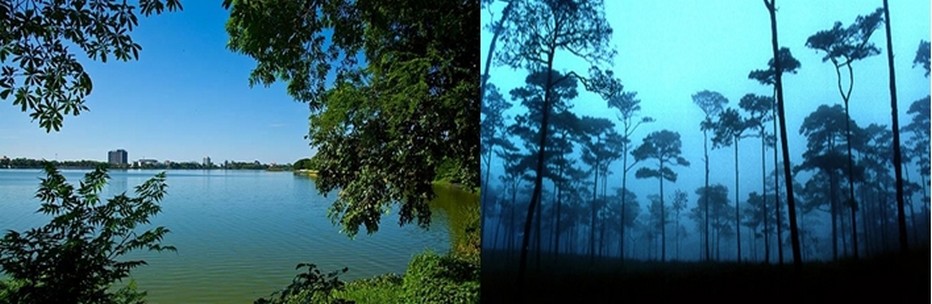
{"points": [[596, 153], [679, 204], [824, 128], [760, 108], [897, 155], [663, 146], [711, 104], [789, 64], [922, 56], [843, 47], [497, 28], [729, 129], [778, 85], [492, 134], [629, 214], [629, 108], [541, 29], [720, 212], [919, 136]]}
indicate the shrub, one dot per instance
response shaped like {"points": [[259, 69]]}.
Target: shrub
{"points": [[381, 289], [433, 278], [309, 287], [76, 258]]}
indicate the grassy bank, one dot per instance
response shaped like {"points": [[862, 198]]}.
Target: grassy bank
{"points": [[892, 278]]}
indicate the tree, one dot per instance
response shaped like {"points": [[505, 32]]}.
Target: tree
{"points": [[920, 134], [897, 155], [629, 215], [497, 29], [788, 64], [40, 71], [79, 255], [760, 108], [493, 130], [541, 30], [679, 204], [568, 131], [628, 106], [385, 125], [919, 126], [711, 104], [663, 146], [842, 47], [729, 129], [719, 211], [596, 154], [824, 128], [922, 56], [771, 6]]}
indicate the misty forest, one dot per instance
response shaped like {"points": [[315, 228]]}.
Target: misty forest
{"points": [[634, 148]]}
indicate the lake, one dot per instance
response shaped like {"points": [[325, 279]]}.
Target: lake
{"points": [[239, 233]]}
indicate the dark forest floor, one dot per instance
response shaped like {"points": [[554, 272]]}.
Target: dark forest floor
{"points": [[889, 278]]}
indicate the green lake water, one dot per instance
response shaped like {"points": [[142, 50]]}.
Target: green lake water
{"points": [[240, 233]]}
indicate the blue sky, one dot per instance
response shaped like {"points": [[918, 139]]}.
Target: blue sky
{"points": [[669, 50], [186, 97]]}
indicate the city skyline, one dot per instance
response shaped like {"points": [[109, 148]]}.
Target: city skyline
{"points": [[128, 160]]}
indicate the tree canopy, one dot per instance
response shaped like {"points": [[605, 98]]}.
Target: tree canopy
{"points": [[39, 69], [403, 99]]}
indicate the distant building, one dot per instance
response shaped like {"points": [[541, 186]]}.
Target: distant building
{"points": [[207, 162], [118, 157], [147, 161]]}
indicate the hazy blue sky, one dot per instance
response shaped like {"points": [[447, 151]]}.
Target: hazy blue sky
{"points": [[187, 97], [669, 50]]}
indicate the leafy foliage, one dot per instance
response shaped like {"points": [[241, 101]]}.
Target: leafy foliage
{"points": [[922, 56], [79, 254], [665, 147], [848, 44], [788, 64], [386, 123], [306, 163], [380, 289], [309, 286], [433, 278], [539, 28], [39, 70], [729, 128]]}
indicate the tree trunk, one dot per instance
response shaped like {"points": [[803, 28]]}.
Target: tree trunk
{"points": [[538, 180], [897, 155], [737, 204], [776, 190], [766, 215], [595, 197], [852, 203], [497, 30], [778, 77], [663, 230], [705, 147], [834, 209], [624, 195]]}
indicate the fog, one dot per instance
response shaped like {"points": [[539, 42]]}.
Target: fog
{"points": [[666, 52]]}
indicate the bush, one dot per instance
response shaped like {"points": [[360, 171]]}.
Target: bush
{"points": [[309, 287], [381, 289], [433, 278], [77, 257]]}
